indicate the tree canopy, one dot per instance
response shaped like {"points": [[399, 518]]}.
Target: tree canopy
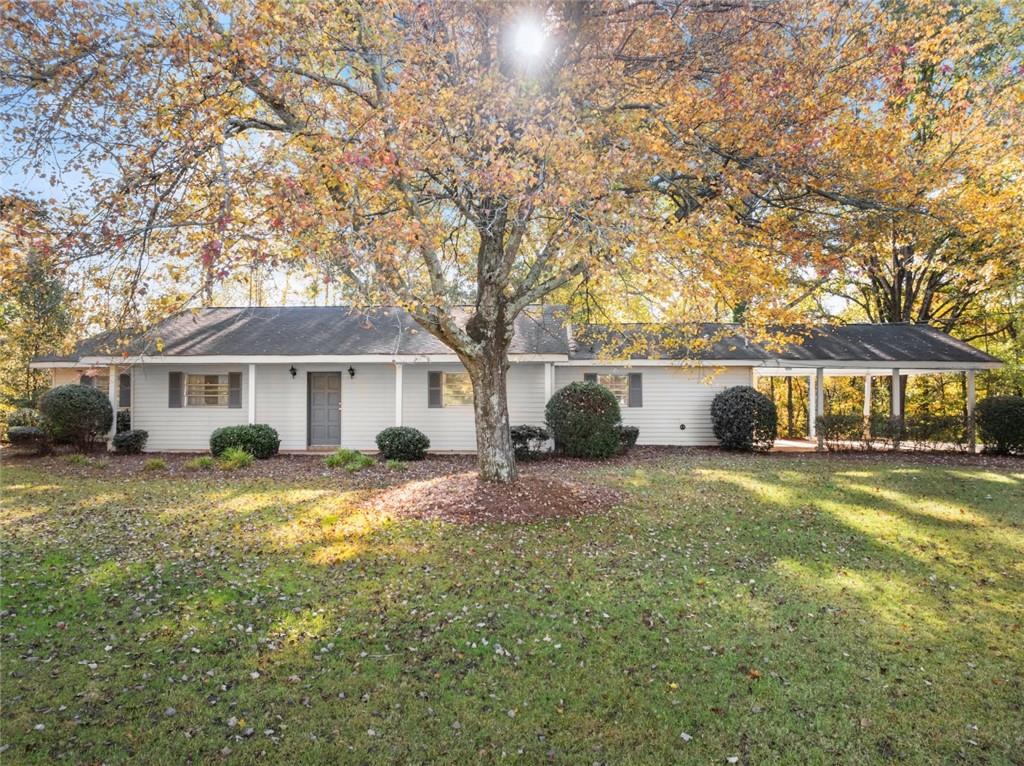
{"points": [[437, 155]]}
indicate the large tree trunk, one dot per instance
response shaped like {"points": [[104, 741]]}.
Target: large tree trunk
{"points": [[495, 456]]}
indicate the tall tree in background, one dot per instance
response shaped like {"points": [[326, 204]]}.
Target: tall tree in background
{"points": [[943, 148], [462, 160], [34, 314]]}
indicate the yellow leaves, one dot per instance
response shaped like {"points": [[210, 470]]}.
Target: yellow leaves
{"points": [[343, 105]]}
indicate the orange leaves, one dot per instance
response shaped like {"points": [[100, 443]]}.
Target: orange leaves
{"points": [[390, 142]]}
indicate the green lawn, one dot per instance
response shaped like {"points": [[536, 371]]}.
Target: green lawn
{"points": [[772, 609]]}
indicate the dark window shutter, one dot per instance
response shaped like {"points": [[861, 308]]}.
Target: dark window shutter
{"points": [[590, 377], [435, 397], [124, 390], [174, 389], [86, 380], [235, 390], [636, 389]]}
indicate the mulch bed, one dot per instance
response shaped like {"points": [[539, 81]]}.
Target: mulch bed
{"points": [[442, 487], [463, 498], [281, 467], [445, 487]]}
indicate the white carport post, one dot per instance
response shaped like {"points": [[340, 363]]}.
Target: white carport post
{"points": [[112, 395], [398, 394], [819, 403], [549, 381], [812, 416], [896, 409], [252, 394], [895, 393], [867, 405], [972, 438]]}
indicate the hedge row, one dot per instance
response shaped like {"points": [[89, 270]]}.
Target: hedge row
{"points": [[999, 422]]}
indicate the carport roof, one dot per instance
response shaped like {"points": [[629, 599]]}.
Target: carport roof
{"points": [[871, 345]]}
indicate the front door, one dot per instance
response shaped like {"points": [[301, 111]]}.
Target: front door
{"points": [[324, 409]]}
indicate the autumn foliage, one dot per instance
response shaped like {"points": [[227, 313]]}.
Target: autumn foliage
{"points": [[653, 159]]}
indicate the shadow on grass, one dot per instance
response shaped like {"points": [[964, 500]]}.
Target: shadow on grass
{"points": [[770, 611]]}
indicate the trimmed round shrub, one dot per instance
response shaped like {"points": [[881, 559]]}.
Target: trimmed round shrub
{"points": [[130, 442], [583, 418], [25, 416], [402, 443], [627, 437], [124, 420], [28, 436], [744, 419], [76, 414], [1000, 422], [528, 441], [259, 440]]}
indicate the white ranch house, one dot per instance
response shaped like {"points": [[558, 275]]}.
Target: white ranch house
{"points": [[326, 377]]}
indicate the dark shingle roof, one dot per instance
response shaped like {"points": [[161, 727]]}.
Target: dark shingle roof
{"points": [[308, 331], [342, 330], [869, 343], [883, 343]]}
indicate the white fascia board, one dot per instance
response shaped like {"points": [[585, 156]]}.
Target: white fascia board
{"points": [[52, 365], [305, 359], [853, 367], [658, 363], [781, 368]]}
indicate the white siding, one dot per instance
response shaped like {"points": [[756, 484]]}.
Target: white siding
{"points": [[367, 405], [673, 396], [526, 394], [281, 402], [448, 428], [367, 402], [452, 428], [181, 428]]}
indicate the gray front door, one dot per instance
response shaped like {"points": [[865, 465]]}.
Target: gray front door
{"points": [[324, 409]]}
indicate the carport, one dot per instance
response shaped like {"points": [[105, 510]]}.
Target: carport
{"points": [[871, 351]]}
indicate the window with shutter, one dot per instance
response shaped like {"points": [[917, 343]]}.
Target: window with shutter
{"points": [[618, 385], [628, 389], [206, 390], [449, 389], [201, 390], [458, 389]]}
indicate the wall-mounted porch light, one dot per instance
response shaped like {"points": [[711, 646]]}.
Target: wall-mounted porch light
{"points": [[293, 371], [351, 371]]}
